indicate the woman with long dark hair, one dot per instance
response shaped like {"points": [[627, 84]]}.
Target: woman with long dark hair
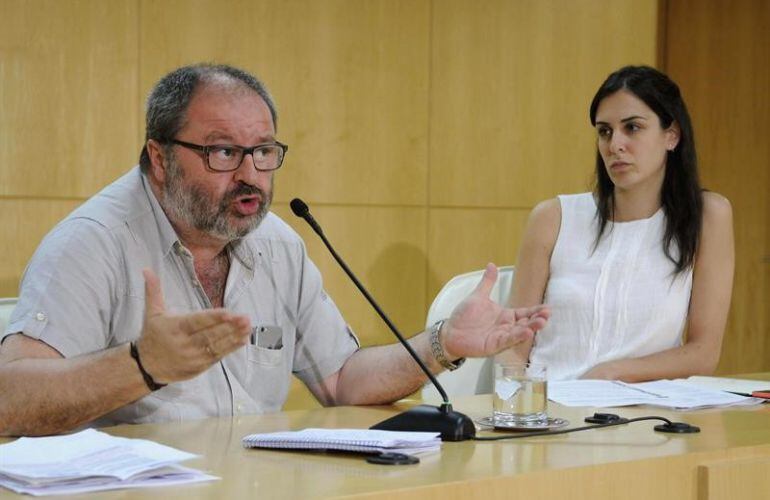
{"points": [[638, 273]]}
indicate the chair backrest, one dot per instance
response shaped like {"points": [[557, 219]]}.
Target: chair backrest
{"points": [[6, 307], [475, 376]]}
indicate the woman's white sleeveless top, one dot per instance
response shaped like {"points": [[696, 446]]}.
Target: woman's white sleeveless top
{"points": [[618, 300]]}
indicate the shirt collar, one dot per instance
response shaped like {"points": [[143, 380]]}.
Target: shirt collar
{"points": [[168, 237], [243, 252]]}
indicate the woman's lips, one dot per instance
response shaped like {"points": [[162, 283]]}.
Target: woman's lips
{"points": [[617, 165]]}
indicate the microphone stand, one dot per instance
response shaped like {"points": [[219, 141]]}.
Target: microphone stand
{"points": [[452, 425]]}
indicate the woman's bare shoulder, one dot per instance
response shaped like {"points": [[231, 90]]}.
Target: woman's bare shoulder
{"points": [[716, 208], [543, 224], [546, 212]]}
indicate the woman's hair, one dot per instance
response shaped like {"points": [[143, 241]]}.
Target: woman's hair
{"points": [[681, 195]]}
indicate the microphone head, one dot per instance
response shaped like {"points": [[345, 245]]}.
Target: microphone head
{"points": [[299, 207]]}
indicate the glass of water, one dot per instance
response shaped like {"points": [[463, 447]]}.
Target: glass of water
{"points": [[520, 393]]}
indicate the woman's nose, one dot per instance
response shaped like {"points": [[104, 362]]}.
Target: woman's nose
{"points": [[617, 143]]}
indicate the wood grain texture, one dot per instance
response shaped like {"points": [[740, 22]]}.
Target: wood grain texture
{"points": [[510, 89], [24, 223], [350, 79], [385, 247], [718, 52], [729, 479], [465, 239], [68, 116], [629, 462]]}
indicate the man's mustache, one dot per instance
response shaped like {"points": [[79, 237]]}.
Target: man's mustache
{"points": [[243, 189]]}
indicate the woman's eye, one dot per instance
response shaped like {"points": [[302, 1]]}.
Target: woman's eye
{"points": [[632, 127], [604, 132]]}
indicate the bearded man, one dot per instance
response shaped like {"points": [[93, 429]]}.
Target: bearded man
{"points": [[175, 293]]}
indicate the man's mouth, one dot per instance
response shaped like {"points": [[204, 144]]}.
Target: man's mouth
{"points": [[247, 205]]}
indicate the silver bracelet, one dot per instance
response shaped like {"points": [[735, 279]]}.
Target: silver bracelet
{"points": [[438, 350]]}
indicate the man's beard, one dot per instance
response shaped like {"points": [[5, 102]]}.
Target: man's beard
{"points": [[192, 206]]}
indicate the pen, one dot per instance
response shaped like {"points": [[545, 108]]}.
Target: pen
{"points": [[764, 393]]}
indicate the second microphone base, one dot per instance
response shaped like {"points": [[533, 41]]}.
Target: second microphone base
{"points": [[453, 425]]}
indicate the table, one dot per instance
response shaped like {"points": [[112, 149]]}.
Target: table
{"points": [[730, 458]]}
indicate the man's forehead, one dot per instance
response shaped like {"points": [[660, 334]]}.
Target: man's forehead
{"points": [[227, 93], [221, 106]]}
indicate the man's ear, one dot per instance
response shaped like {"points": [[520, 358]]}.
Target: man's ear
{"points": [[673, 133], [157, 156]]}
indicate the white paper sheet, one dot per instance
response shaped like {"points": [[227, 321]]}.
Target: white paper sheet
{"points": [[663, 393], [89, 461], [743, 386]]}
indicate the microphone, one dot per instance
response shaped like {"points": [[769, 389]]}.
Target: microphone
{"points": [[453, 426]]}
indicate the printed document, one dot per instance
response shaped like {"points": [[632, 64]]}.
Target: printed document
{"points": [[664, 393], [91, 460], [734, 385]]}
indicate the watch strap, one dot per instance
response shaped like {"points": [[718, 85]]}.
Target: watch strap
{"points": [[438, 350]]}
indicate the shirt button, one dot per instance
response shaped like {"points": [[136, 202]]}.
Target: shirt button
{"points": [[40, 316], [239, 407]]}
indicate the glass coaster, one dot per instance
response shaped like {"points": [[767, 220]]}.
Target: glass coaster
{"points": [[543, 425]]}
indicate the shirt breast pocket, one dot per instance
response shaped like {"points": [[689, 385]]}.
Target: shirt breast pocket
{"points": [[263, 356]]}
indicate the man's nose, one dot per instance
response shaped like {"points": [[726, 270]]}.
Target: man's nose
{"points": [[248, 173]]}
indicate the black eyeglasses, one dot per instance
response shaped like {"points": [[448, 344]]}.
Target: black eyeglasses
{"points": [[228, 157]]}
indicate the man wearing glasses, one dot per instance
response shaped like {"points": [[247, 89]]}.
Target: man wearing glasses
{"points": [[174, 293]]}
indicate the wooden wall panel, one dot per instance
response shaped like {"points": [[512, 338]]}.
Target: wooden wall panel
{"points": [[68, 114], [350, 79], [511, 85], [385, 247], [25, 222], [462, 240], [718, 52]]}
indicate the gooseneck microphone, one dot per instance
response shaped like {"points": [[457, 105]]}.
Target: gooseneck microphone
{"points": [[453, 426]]}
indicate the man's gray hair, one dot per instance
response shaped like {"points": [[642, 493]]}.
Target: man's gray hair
{"points": [[168, 101]]}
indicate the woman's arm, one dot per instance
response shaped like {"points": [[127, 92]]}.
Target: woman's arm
{"points": [[533, 265], [712, 285]]}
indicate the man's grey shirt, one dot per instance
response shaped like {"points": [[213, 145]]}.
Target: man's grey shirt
{"points": [[83, 291]]}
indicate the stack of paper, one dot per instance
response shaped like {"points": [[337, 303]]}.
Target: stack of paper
{"points": [[359, 440], [664, 393], [743, 387], [91, 461]]}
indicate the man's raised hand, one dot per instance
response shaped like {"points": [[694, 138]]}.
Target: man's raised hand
{"points": [[176, 347], [480, 327]]}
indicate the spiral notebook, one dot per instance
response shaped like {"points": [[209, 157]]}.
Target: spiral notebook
{"points": [[356, 440]]}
